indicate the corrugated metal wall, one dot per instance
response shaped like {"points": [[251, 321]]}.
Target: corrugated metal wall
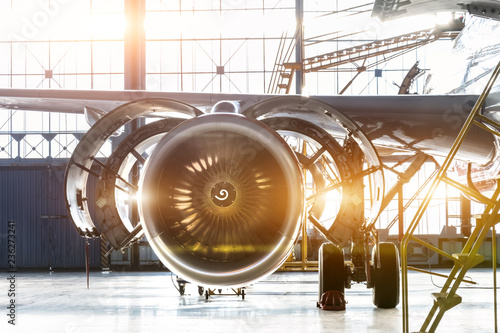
{"points": [[25, 195]]}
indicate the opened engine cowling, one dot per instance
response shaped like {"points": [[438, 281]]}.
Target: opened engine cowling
{"points": [[222, 200]]}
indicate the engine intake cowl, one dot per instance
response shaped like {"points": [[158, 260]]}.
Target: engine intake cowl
{"points": [[222, 200]]}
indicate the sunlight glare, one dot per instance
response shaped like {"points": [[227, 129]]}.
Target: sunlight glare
{"points": [[213, 25], [107, 25], [410, 24]]}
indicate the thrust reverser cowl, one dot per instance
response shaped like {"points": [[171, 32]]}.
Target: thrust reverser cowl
{"points": [[222, 200]]}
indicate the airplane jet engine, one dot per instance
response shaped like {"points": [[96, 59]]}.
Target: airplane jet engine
{"points": [[221, 200], [222, 196]]}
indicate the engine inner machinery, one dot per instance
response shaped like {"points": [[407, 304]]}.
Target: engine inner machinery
{"points": [[221, 200]]}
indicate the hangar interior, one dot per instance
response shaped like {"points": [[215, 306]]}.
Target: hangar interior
{"points": [[188, 47], [232, 47]]}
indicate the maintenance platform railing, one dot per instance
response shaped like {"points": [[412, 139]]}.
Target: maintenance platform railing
{"points": [[447, 297]]}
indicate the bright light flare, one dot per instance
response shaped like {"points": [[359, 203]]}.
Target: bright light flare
{"points": [[213, 25], [67, 23], [413, 23], [107, 24]]}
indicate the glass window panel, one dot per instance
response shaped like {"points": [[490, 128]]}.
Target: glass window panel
{"points": [[5, 120], [18, 81], [102, 81], [56, 122], [160, 25], [153, 82], [236, 55], [187, 4], [156, 5], [81, 57], [236, 83], [107, 6], [83, 82], [5, 56], [78, 6], [172, 82], [27, 20], [117, 56], [271, 51], [154, 57], [255, 83], [108, 25], [18, 121], [72, 24], [62, 21], [19, 53], [103, 59], [37, 57], [117, 82], [71, 122], [38, 81], [249, 24], [206, 56], [6, 20], [206, 4], [253, 51], [281, 3], [170, 57], [5, 81], [67, 81], [187, 56]]}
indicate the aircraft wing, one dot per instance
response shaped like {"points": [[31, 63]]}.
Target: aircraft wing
{"points": [[407, 122], [74, 101]]}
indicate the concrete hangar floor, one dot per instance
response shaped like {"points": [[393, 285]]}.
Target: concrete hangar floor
{"points": [[284, 302]]}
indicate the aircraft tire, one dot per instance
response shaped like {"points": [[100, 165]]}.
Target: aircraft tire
{"points": [[386, 276], [332, 271]]}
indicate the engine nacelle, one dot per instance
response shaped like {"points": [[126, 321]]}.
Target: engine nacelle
{"points": [[222, 200]]}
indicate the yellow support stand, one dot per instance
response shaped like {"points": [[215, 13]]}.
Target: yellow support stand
{"points": [[468, 258]]}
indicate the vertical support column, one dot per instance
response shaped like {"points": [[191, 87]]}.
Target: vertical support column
{"points": [[135, 45], [299, 49], [135, 79], [401, 210], [465, 216], [494, 263]]}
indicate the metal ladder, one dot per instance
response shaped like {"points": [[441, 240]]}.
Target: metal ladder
{"points": [[469, 257], [392, 47], [284, 70]]}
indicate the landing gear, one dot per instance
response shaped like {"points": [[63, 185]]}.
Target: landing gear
{"points": [[386, 276], [343, 168]]}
